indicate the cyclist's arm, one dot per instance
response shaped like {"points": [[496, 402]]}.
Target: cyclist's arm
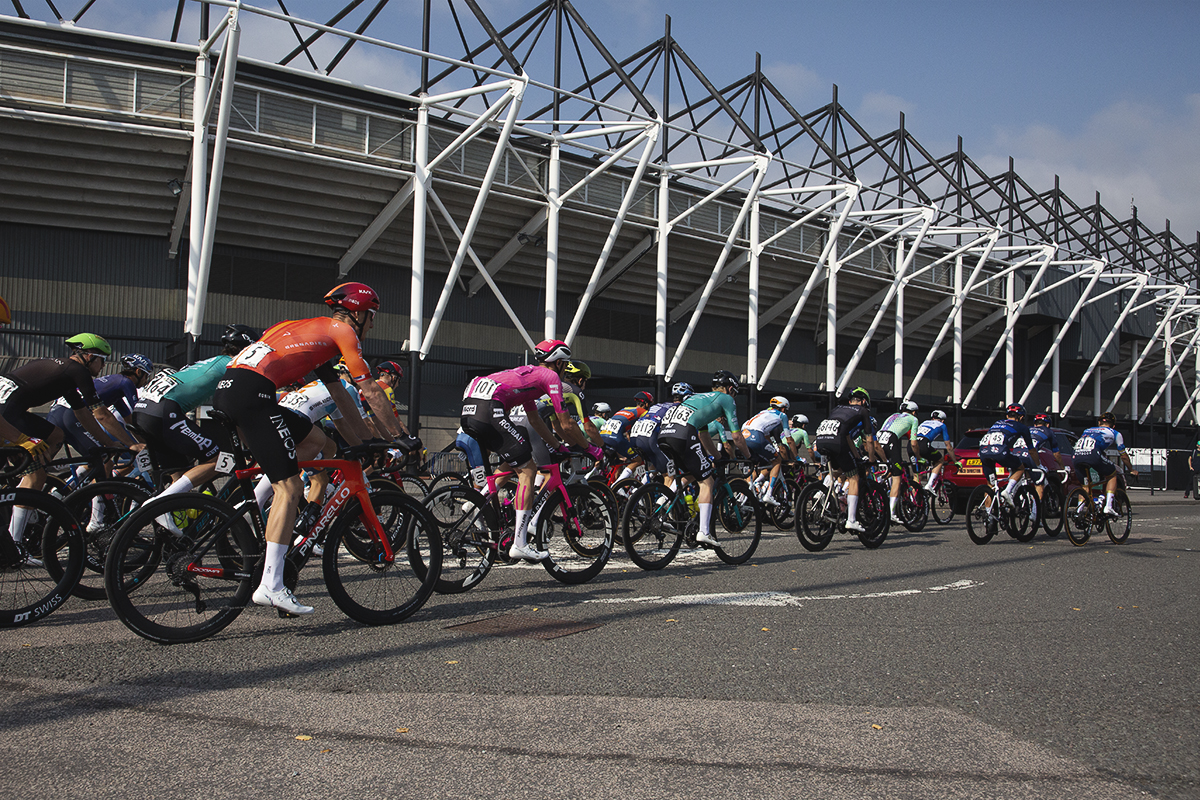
{"points": [[113, 428], [8, 433], [351, 416], [349, 435], [87, 418], [739, 442], [385, 415], [593, 433], [571, 432]]}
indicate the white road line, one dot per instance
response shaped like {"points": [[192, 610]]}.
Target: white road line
{"points": [[778, 599]]}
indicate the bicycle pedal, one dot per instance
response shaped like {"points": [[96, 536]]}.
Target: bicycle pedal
{"points": [[285, 614]]}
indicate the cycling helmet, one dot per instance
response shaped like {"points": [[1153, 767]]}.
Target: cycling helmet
{"points": [[938, 415], [682, 389], [390, 368], [5, 313], [1108, 416], [352, 297], [601, 408], [861, 394], [1015, 410], [643, 397], [577, 371], [90, 343], [239, 337], [551, 350], [724, 377], [137, 361], [799, 421], [780, 402], [1040, 418], [909, 406]]}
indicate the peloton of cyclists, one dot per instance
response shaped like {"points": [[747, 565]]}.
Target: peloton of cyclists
{"points": [[835, 440], [615, 433]]}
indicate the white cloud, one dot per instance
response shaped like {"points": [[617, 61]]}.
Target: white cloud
{"points": [[801, 85], [1127, 150], [880, 112]]}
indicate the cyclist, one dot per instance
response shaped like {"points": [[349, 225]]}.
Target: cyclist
{"points": [[644, 433], [1044, 440], [600, 414], [615, 433], [768, 436], [487, 403], [279, 438], [1092, 451], [571, 401], [683, 437], [161, 414], [836, 441], [1007, 443], [388, 375], [575, 376], [40, 382], [897, 429], [117, 393], [933, 440]]}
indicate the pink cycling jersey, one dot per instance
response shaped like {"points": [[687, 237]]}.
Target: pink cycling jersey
{"points": [[518, 387]]}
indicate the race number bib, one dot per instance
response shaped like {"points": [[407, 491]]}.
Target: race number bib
{"points": [[7, 387], [296, 401], [992, 439], [482, 389], [142, 459], [612, 426], [225, 463], [679, 415], [886, 438], [1086, 445], [156, 389], [252, 355], [828, 428], [643, 427]]}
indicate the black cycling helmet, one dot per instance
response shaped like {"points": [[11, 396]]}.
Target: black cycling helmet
{"points": [[724, 377], [237, 338], [1109, 417], [1015, 410], [861, 394]]}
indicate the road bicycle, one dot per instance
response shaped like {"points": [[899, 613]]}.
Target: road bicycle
{"points": [[821, 512], [940, 500], [1017, 514], [658, 520], [381, 555], [913, 502], [1054, 492], [1083, 513], [28, 591], [793, 476], [570, 519]]}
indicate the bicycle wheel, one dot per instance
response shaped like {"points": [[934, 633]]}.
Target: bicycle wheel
{"points": [[1077, 514], [1119, 527], [914, 508], [737, 502], [448, 479], [468, 541], [651, 534], [579, 538], [29, 591], [816, 517], [172, 589], [783, 515], [374, 591], [1052, 510], [1021, 517], [101, 509], [411, 485], [873, 513], [622, 490], [981, 524], [941, 504]]}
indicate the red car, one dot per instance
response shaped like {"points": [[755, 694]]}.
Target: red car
{"points": [[969, 472]]}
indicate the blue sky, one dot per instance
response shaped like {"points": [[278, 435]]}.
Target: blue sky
{"points": [[1105, 94]]}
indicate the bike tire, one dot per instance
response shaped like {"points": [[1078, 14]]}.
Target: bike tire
{"points": [[373, 592], [783, 516], [1077, 514], [981, 526], [1022, 518], [469, 541], [914, 507], [1118, 528], [622, 490], [941, 505], [29, 592], [411, 485], [649, 531], [119, 499], [147, 581], [1052, 510], [449, 479], [737, 546], [816, 517], [873, 513], [580, 538]]}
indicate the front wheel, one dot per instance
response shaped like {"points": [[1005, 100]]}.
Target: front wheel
{"points": [[578, 537], [1077, 513], [101, 509], [1119, 526], [28, 591], [469, 536], [652, 526], [738, 544], [941, 505], [982, 524], [365, 585]]}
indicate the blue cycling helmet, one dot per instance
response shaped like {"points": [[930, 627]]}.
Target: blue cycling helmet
{"points": [[682, 389], [137, 361]]}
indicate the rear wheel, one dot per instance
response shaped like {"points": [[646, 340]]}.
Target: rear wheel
{"points": [[1052, 510], [873, 513], [28, 591], [580, 538], [1077, 515], [468, 541], [1021, 516], [816, 517], [941, 504], [101, 509], [784, 514], [448, 479], [981, 524], [649, 529], [738, 501], [372, 590], [914, 508], [1119, 526]]}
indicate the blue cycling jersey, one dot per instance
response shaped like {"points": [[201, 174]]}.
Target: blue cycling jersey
{"points": [[1004, 437], [934, 430], [1094, 441], [1044, 439]]}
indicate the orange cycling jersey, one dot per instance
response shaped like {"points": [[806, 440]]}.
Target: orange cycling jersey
{"points": [[291, 349]]}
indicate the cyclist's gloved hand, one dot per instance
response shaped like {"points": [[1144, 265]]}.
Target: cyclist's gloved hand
{"points": [[563, 450], [407, 442], [595, 452]]}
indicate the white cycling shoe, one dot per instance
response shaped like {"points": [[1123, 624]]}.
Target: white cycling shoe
{"points": [[855, 525], [283, 599], [528, 552], [707, 538]]}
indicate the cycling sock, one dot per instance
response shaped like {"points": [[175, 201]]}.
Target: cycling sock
{"points": [[1108, 502], [272, 579], [705, 517], [16, 525], [97, 510], [180, 486], [852, 508], [263, 492], [892, 503], [521, 534], [625, 473]]}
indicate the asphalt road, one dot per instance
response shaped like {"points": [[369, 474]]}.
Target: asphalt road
{"points": [[930, 668]]}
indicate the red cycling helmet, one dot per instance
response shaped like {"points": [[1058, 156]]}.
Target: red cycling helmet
{"points": [[643, 397], [550, 350], [1037, 418], [353, 297], [391, 368], [1015, 410]]}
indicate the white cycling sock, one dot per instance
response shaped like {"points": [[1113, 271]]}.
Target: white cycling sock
{"points": [[16, 525], [625, 473], [263, 492], [852, 508], [521, 534], [180, 486], [705, 518], [98, 509], [272, 578], [892, 503]]}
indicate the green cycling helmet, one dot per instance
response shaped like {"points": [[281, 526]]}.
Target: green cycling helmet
{"points": [[859, 391], [89, 343]]}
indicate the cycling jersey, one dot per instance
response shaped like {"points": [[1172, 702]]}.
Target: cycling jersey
{"points": [[39, 382], [520, 386], [315, 401], [618, 424], [189, 387], [902, 424], [845, 422], [934, 430], [678, 434], [1004, 437], [1099, 440], [116, 391], [1044, 439], [643, 435], [291, 349], [698, 410], [771, 422], [799, 438]]}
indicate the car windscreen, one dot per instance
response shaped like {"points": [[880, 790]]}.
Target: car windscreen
{"points": [[968, 442]]}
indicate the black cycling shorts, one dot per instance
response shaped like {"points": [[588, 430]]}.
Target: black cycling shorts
{"points": [[840, 456], [1101, 463], [680, 443], [74, 433], [653, 455], [270, 432], [487, 422], [176, 444], [27, 422], [893, 451], [927, 451]]}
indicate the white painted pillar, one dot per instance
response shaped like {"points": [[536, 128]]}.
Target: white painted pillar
{"points": [[898, 356], [752, 297], [199, 183], [1168, 359], [1055, 375], [831, 314], [1096, 379], [660, 289], [420, 200], [958, 333], [1133, 394], [552, 217], [1010, 300]]}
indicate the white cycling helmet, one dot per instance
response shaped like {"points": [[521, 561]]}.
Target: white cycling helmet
{"points": [[780, 402], [910, 406], [601, 408], [938, 415], [799, 421]]}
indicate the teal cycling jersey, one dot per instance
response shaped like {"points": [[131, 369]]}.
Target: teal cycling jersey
{"points": [[190, 386], [709, 407], [799, 437]]}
